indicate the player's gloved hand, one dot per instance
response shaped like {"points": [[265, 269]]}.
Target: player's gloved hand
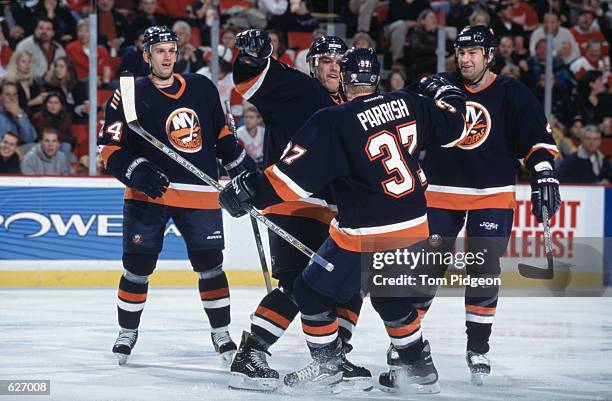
{"points": [[147, 178], [255, 43], [544, 190], [439, 88], [236, 195], [241, 164]]}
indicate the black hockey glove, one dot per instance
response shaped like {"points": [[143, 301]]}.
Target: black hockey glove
{"points": [[255, 43], [242, 163], [236, 195], [147, 178], [544, 191], [438, 88]]}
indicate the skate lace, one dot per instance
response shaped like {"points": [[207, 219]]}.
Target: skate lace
{"points": [[308, 371], [479, 359], [126, 338], [258, 359], [222, 337]]}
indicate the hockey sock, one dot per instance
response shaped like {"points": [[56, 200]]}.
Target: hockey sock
{"points": [[348, 314], [131, 299], [422, 305], [272, 317], [479, 315], [321, 331], [215, 296]]}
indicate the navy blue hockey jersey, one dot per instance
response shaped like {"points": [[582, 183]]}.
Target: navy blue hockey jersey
{"points": [[505, 123], [367, 151], [189, 120], [286, 99]]}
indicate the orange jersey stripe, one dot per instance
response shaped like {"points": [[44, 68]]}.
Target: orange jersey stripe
{"points": [[224, 132], [380, 242], [481, 310], [129, 296], [178, 198], [282, 189], [422, 313], [243, 87], [178, 94], [214, 294], [404, 330], [320, 330], [302, 209], [348, 315], [107, 151], [552, 152], [273, 316], [443, 200]]}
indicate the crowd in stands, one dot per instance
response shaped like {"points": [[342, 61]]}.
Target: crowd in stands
{"points": [[44, 61]]}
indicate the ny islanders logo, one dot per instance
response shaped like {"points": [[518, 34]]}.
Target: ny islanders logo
{"points": [[184, 130], [478, 125]]}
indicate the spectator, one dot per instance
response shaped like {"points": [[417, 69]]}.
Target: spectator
{"points": [[395, 81], [273, 7], [5, 53], [9, 158], [77, 51], [502, 24], [251, 135], [585, 31], [205, 13], [190, 58], [19, 71], [279, 50], [132, 59], [564, 144], [18, 21], [62, 79], [536, 66], [42, 48], [524, 15], [54, 115], [592, 101], [401, 18], [245, 17], [300, 58], [480, 17], [364, 10], [297, 18], [176, 9], [592, 60], [588, 165], [112, 26], [363, 40], [606, 127], [60, 15], [564, 44], [228, 39], [575, 129], [506, 56], [458, 14], [12, 117], [424, 44], [147, 16], [45, 158]]}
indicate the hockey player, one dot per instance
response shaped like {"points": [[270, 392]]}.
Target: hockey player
{"points": [[473, 183], [366, 150], [184, 112], [286, 98]]}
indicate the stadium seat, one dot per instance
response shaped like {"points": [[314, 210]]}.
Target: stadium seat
{"points": [[196, 36], [226, 6], [299, 40]]}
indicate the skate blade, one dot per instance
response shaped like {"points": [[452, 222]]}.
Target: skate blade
{"points": [[433, 388], [360, 384], [122, 359], [477, 378], [227, 357], [329, 385], [239, 381]]}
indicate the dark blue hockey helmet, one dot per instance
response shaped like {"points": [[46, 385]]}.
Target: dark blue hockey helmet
{"points": [[158, 34], [360, 67], [477, 36], [324, 46]]}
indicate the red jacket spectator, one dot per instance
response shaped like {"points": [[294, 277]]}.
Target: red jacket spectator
{"points": [[175, 8], [584, 31], [76, 52], [523, 14]]}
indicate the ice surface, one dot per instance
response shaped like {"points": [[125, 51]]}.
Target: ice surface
{"points": [[542, 348]]}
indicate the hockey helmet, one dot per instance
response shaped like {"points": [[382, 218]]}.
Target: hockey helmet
{"points": [[158, 34], [324, 46], [477, 36], [360, 67]]}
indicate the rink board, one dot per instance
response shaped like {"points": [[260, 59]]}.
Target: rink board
{"points": [[66, 232]]}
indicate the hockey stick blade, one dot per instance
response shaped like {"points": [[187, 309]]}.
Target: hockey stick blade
{"points": [[126, 83], [534, 272]]}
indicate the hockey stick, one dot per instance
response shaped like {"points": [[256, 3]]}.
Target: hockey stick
{"points": [[126, 83], [548, 273], [256, 233]]}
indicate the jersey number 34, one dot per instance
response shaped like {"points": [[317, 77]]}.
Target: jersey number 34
{"points": [[385, 146]]}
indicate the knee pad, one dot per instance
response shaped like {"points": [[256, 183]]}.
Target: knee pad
{"points": [[139, 264], [286, 281], [134, 278], [207, 264]]}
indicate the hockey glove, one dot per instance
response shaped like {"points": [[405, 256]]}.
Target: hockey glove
{"points": [[242, 163], [147, 178], [255, 43], [544, 191], [438, 88], [236, 195]]}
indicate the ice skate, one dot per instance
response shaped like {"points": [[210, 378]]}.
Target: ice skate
{"points": [[419, 377], [322, 374], [250, 370], [124, 344], [479, 365], [356, 377], [223, 344]]}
